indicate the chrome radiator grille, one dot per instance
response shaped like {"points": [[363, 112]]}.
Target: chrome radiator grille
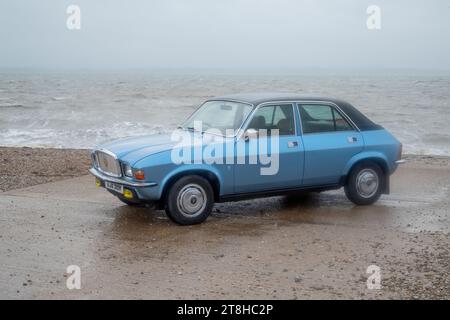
{"points": [[107, 163]]}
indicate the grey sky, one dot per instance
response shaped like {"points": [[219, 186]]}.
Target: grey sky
{"points": [[225, 34]]}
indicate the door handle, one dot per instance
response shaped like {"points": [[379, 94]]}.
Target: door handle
{"points": [[352, 139], [292, 144]]}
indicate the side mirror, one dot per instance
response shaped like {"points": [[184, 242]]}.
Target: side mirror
{"points": [[250, 133]]}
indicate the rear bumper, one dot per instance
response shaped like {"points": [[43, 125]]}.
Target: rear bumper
{"points": [[124, 182]]}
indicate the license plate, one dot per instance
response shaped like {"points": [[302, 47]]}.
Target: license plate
{"points": [[114, 186]]}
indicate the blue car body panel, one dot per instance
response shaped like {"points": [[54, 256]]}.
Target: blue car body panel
{"points": [[382, 145], [305, 160], [131, 150], [327, 154], [248, 177]]}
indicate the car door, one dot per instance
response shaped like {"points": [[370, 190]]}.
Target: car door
{"points": [[253, 171], [330, 140]]}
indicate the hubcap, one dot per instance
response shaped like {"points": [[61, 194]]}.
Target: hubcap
{"points": [[191, 200], [367, 183]]}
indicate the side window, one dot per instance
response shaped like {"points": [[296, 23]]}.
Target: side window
{"points": [[279, 117], [266, 114], [341, 123], [322, 118]]}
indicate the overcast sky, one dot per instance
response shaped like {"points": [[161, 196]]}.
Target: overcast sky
{"points": [[121, 34]]}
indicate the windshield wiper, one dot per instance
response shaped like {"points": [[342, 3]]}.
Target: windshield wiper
{"points": [[194, 130]]}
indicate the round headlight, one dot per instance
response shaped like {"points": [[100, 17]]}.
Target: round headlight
{"points": [[127, 170]]}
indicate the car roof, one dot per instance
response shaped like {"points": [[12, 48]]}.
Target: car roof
{"points": [[256, 98]]}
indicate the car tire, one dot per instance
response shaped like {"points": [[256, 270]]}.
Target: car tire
{"points": [[365, 183], [189, 200]]}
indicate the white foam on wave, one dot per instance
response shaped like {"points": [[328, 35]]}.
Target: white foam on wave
{"points": [[59, 98], [80, 112], [88, 138]]}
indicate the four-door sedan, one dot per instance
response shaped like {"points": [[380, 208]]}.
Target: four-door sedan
{"points": [[251, 145]]}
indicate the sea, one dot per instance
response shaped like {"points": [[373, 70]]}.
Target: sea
{"points": [[81, 109]]}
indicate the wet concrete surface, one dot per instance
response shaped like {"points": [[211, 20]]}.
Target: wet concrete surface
{"points": [[297, 247]]}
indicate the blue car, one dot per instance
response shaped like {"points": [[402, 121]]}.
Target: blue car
{"points": [[251, 145]]}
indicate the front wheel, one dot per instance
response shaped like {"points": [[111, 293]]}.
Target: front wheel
{"points": [[189, 200], [364, 184]]}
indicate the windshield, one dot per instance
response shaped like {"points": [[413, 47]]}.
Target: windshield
{"points": [[225, 116]]}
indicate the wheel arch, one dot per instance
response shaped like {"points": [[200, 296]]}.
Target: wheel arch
{"points": [[209, 175], [376, 158]]}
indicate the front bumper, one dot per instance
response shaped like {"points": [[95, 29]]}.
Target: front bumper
{"points": [[135, 184]]}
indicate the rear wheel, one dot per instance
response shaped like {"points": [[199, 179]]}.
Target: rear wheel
{"points": [[365, 183], [189, 200]]}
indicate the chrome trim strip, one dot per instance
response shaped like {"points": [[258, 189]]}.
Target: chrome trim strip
{"points": [[240, 131], [297, 102], [103, 177], [402, 161], [107, 152], [230, 100]]}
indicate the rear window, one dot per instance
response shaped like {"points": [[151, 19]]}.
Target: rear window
{"points": [[361, 121], [318, 118]]}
